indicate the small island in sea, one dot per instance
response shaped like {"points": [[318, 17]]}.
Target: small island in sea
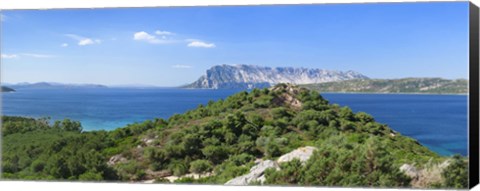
{"points": [[283, 135], [6, 89], [404, 85]]}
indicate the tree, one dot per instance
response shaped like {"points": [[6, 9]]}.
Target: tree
{"points": [[215, 154], [200, 166]]}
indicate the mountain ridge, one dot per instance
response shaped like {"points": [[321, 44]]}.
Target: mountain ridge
{"points": [[253, 76], [53, 85]]}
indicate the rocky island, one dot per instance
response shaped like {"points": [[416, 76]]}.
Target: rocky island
{"points": [[251, 76]]}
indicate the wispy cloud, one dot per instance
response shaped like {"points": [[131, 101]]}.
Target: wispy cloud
{"points": [[83, 41], [32, 55], [9, 56], [37, 55], [64, 45], [199, 44], [152, 39], [3, 17], [182, 66], [163, 33]]}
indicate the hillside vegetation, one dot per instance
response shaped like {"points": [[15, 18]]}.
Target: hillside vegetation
{"points": [[405, 85], [222, 140]]}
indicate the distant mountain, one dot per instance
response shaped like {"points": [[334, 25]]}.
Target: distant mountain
{"points": [[6, 89], [405, 85], [250, 76], [42, 85]]}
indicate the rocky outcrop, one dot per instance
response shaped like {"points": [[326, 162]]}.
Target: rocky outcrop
{"points": [[116, 159], [256, 173], [409, 170], [430, 174], [302, 154], [250, 76]]}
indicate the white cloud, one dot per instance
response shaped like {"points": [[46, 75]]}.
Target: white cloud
{"points": [[181, 66], [9, 56], [200, 44], [158, 32], [144, 36], [82, 41], [86, 41], [64, 45]]}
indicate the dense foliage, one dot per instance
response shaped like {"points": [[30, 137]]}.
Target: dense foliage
{"points": [[223, 139], [405, 85]]}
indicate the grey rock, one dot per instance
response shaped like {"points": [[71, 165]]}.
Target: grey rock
{"points": [[116, 159], [302, 154], [409, 170], [255, 174]]}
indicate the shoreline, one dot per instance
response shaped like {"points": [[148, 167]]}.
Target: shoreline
{"points": [[394, 93]]}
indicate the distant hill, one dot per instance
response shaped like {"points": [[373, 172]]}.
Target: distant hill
{"points": [[250, 76], [405, 85], [7, 89], [42, 85]]}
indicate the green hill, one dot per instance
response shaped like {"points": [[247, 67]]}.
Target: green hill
{"points": [[224, 139], [405, 85]]}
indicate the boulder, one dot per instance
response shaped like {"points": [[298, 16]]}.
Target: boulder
{"points": [[302, 154]]}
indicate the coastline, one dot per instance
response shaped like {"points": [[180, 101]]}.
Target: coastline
{"points": [[395, 93]]}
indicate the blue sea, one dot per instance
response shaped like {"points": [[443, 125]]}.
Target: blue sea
{"points": [[436, 121]]}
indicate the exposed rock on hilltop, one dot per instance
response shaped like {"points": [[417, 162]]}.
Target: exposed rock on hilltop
{"points": [[250, 76]]}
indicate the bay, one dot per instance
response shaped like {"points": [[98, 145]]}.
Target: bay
{"points": [[436, 121]]}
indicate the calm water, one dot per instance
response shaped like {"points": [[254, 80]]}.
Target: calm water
{"points": [[437, 121]]}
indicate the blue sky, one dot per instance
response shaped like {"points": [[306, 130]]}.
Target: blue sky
{"points": [[175, 46]]}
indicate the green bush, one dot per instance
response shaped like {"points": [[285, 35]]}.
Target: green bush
{"points": [[200, 166]]}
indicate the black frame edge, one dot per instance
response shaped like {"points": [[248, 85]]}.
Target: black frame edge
{"points": [[473, 96]]}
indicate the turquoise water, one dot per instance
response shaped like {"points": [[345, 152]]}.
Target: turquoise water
{"points": [[437, 121]]}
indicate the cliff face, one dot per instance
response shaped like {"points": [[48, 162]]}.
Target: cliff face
{"points": [[249, 76]]}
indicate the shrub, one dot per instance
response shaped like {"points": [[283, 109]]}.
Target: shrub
{"points": [[200, 166]]}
